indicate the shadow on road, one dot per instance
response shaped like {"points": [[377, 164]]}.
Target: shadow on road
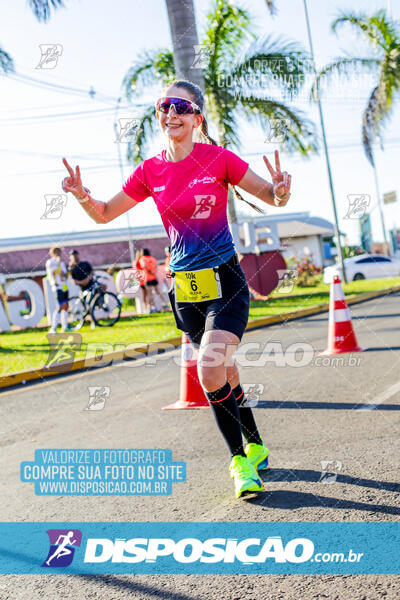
{"points": [[315, 476], [387, 315], [360, 317], [380, 348], [113, 581], [324, 405], [289, 500], [116, 583]]}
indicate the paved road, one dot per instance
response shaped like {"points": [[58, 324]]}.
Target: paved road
{"points": [[348, 415]]}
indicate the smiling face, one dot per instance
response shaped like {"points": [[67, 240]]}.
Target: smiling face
{"points": [[178, 127]]}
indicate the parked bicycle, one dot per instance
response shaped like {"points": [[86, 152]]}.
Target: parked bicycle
{"points": [[103, 307]]}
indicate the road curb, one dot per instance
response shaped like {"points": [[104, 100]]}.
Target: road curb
{"points": [[90, 363]]}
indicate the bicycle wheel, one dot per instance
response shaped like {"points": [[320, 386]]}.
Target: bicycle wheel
{"points": [[76, 313], [105, 309]]}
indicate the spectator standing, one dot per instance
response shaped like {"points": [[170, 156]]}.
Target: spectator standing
{"points": [[57, 275], [149, 264]]}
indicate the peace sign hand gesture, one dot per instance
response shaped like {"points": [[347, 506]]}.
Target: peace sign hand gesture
{"points": [[73, 183], [280, 181]]}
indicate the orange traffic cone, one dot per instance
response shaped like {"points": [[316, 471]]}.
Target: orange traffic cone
{"points": [[341, 336], [191, 392]]}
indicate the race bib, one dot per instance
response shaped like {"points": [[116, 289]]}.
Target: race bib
{"points": [[197, 286]]}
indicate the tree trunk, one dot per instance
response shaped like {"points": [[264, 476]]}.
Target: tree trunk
{"points": [[182, 22]]}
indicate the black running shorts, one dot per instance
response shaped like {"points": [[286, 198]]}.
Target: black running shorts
{"points": [[62, 297], [230, 312]]}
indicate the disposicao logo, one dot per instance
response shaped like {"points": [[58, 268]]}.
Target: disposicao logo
{"points": [[62, 550], [190, 550]]}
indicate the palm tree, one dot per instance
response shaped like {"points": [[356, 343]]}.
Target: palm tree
{"points": [[271, 6], [42, 10], [182, 22], [6, 62], [236, 59], [383, 35]]}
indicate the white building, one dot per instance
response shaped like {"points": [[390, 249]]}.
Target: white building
{"points": [[295, 234], [301, 234]]}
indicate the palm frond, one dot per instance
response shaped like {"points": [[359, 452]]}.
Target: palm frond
{"points": [[374, 118], [149, 68], [221, 104], [145, 130], [384, 35], [227, 30], [390, 73], [376, 28], [292, 129], [345, 66], [6, 62], [282, 62], [42, 8]]}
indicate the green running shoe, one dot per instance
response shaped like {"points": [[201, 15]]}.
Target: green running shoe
{"points": [[257, 455], [245, 476]]}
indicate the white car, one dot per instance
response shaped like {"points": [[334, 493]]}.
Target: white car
{"points": [[364, 266]]}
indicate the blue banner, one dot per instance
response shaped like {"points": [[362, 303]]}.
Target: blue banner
{"points": [[219, 548]]}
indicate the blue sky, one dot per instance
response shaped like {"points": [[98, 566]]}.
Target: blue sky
{"points": [[99, 45]]}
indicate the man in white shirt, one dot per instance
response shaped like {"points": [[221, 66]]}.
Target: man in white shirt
{"points": [[57, 274]]}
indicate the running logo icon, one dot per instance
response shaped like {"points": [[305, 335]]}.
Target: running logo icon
{"points": [[63, 543], [287, 279], [97, 397], [202, 55], [128, 129], [358, 204], [50, 55], [279, 130], [63, 347], [252, 392], [129, 282], [55, 203], [204, 203], [329, 475]]}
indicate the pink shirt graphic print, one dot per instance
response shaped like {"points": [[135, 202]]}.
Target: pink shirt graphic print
{"points": [[191, 197]]}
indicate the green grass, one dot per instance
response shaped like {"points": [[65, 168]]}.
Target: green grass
{"points": [[354, 287], [28, 349]]}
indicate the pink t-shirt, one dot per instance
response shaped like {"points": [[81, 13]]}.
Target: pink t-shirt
{"points": [[191, 197]]}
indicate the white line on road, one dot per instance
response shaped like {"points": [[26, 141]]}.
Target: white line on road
{"points": [[391, 391]]}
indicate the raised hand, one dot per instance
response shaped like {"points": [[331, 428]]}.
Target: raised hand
{"points": [[280, 181], [73, 183]]}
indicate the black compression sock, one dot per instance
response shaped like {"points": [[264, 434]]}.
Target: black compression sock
{"points": [[249, 427], [226, 412]]}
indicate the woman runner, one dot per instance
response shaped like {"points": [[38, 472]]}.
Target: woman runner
{"points": [[210, 298]]}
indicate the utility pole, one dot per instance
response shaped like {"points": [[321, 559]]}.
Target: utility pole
{"points": [[328, 166], [379, 202]]}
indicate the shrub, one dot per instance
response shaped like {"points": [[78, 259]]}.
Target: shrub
{"points": [[308, 274]]}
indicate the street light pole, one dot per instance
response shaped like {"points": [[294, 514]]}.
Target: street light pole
{"points": [[121, 168], [379, 202], [328, 166]]}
